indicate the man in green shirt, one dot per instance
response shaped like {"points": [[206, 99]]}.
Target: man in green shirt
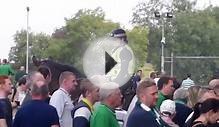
{"points": [[104, 114], [166, 90], [5, 68]]}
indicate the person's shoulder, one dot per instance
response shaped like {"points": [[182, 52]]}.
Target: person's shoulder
{"points": [[47, 107], [183, 106], [82, 112], [50, 107], [102, 110], [139, 117], [57, 93], [139, 112]]}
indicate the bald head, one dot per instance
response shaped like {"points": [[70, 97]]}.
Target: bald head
{"points": [[213, 83]]}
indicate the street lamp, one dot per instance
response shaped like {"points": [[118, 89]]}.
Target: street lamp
{"points": [[27, 53], [163, 42]]}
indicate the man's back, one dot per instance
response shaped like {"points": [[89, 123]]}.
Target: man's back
{"points": [[182, 112], [187, 83], [81, 115], [36, 113], [103, 116], [5, 69], [140, 117]]}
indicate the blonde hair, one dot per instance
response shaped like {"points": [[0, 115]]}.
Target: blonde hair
{"points": [[144, 84], [65, 75], [195, 94]]}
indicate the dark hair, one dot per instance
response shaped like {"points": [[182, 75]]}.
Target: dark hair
{"points": [[204, 107], [5, 61], [189, 75], [139, 70], [209, 104], [176, 83], [22, 80], [153, 75], [163, 80]]}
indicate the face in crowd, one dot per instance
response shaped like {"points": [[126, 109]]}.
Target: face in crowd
{"points": [[150, 96], [70, 82]]}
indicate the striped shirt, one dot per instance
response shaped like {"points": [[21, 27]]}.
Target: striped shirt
{"points": [[187, 83]]}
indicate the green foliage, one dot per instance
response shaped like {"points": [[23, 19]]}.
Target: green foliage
{"points": [[68, 44], [196, 35], [37, 45], [79, 30], [138, 42], [190, 33]]}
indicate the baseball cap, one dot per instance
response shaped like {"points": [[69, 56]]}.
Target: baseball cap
{"points": [[168, 107]]}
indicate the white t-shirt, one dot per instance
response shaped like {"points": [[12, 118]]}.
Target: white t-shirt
{"points": [[62, 102]]}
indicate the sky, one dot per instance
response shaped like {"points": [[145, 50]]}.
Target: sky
{"points": [[47, 15]]}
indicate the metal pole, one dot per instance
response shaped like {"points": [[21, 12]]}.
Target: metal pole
{"points": [[171, 73], [162, 47], [27, 53]]}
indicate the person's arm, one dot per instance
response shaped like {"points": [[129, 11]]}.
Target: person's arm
{"points": [[57, 100], [3, 123], [54, 118]]}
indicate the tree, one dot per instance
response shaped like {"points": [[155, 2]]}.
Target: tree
{"points": [[138, 42], [196, 36], [190, 32], [37, 44], [68, 43], [143, 15], [76, 35]]}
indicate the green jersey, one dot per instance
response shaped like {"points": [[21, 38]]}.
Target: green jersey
{"points": [[161, 98], [5, 69], [103, 116]]}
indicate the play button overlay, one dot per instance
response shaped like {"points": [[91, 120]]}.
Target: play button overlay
{"points": [[108, 63]]}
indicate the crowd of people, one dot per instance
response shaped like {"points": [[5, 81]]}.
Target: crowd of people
{"points": [[159, 101], [165, 104]]}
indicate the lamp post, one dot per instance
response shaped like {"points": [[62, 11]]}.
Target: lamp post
{"points": [[27, 50], [163, 42]]}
